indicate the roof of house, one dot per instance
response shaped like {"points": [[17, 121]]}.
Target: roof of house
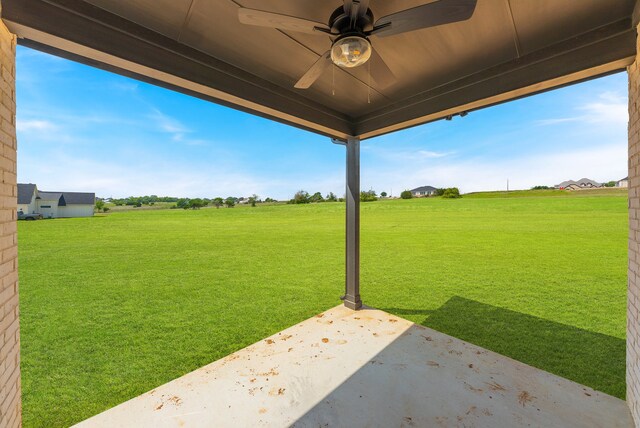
{"points": [[25, 192], [80, 198], [424, 189], [579, 182], [622, 179], [589, 181], [49, 196]]}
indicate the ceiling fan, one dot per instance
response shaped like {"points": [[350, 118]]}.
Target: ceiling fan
{"points": [[350, 26]]}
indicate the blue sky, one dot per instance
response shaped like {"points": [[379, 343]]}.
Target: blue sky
{"points": [[82, 129]]}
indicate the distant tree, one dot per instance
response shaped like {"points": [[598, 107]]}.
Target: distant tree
{"points": [[218, 202], [451, 193], [196, 204], [368, 196], [99, 205], [301, 197], [610, 184], [270, 200], [383, 194], [406, 194], [540, 188], [183, 203], [439, 192], [230, 202], [316, 197], [253, 199]]}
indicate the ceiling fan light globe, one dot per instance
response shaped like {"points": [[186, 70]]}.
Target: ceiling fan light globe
{"points": [[351, 51]]}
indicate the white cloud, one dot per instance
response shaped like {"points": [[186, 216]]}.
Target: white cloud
{"points": [[34, 125], [168, 124], [176, 129], [402, 154], [610, 108]]}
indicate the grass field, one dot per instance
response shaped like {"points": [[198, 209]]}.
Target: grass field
{"points": [[115, 305]]}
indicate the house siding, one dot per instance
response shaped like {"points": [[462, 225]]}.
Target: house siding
{"points": [[633, 287], [77, 210], [10, 388], [48, 208]]}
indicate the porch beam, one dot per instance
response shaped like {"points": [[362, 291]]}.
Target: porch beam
{"points": [[352, 257]]}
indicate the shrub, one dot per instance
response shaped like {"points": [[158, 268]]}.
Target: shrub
{"points": [[316, 197], [540, 188], [406, 194], [451, 193], [368, 196], [301, 197]]}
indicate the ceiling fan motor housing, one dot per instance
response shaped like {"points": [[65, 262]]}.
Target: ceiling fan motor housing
{"points": [[340, 22]]}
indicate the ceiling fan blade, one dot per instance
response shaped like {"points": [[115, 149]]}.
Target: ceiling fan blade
{"points": [[380, 71], [425, 16], [281, 22], [315, 71]]}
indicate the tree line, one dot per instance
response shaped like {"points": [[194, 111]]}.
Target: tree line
{"points": [[303, 197], [184, 203]]}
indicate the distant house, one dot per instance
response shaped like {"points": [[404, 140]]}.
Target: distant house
{"points": [[419, 192], [583, 183], [624, 182], [54, 204]]}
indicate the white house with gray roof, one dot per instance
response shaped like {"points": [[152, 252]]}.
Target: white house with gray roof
{"points": [[54, 204], [423, 191]]}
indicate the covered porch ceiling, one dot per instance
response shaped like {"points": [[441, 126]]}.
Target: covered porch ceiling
{"points": [[507, 49]]}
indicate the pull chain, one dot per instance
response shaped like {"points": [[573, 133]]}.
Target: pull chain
{"points": [[369, 82], [333, 79]]}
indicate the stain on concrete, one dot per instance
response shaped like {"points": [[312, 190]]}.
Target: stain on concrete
{"points": [[524, 397]]}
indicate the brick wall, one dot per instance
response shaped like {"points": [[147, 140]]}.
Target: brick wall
{"points": [[10, 404], [633, 290]]}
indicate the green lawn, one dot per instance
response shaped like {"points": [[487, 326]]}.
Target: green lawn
{"points": [[112, 306]]}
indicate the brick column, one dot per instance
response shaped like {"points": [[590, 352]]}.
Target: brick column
{"points": [[633, 288], [10, 403]]}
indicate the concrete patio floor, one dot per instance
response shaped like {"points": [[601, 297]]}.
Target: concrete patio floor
{"points": [[366, 368]]}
